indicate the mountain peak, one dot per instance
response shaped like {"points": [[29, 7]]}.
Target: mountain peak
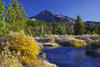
{"points": [[43, 16], [49, 16], [47, 12]]}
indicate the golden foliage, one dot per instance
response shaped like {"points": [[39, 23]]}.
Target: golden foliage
{"points": [[20, 42], [89, 40], [77, 43], [31, 62], [8, 59], [55, 45], [51, 40]]}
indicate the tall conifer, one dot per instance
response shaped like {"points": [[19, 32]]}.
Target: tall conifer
{"points": [[2, 8], [79, 26]]}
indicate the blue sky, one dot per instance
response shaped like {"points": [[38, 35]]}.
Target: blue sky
{"points": [[89, 10]]}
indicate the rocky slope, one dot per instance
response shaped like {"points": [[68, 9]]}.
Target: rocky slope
{"points": [[49, 17]]}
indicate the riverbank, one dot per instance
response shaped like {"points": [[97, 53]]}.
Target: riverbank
{"points": [[67, 40]]}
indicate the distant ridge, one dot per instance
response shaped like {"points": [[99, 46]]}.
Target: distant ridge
{"points": [[49, 17], [92, 22]]}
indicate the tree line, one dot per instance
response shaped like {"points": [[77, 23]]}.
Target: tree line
{"points": [[40, 28], [14, 18]]}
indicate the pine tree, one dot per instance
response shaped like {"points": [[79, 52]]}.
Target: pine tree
{"points": [[17, 9], [79, 26], [15, 12], [54, 26], [16, 16], [2, 9], [22, 12], [96, 29], [11, 13], [29, 32], [61, 31], [88, 32], [2, 27]]}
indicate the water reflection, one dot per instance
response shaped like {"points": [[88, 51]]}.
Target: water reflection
{"points": [[71, 57]]}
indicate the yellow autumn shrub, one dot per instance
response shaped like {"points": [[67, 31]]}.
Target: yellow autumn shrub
{"points": [[32, 62], [78, 43], [51, 38], [55, 45], [22, 43], [89, 40], [8, 59]]}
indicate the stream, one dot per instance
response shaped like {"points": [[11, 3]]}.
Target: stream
{"points": [[71, 57]]}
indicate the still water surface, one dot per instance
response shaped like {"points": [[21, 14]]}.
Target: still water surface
{"points": [[71, 57]]}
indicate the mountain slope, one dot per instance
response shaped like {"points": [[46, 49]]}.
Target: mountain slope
{"points": [[49, 17]]}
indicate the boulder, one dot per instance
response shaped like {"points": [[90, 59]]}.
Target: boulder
{"points": [[93, 48]]}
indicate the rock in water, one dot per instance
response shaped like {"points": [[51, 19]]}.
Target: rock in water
{"points": [[93, 48]]}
